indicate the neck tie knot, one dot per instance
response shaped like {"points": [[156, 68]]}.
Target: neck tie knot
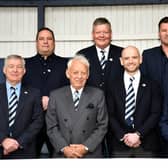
{"points": [[132, 78]]}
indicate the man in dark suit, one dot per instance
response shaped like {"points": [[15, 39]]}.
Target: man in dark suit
{"points": [[155, 66], [134, 107], [103, 56], [45, 71], [21, 116], [76, 124]]}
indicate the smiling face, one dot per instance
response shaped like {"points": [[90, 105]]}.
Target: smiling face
{"points": [[131, 59], [14, 70], [45, 43], [102, 35], [78, 74]]}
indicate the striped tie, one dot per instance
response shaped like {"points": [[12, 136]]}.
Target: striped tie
{"points": [[103, 60], [13, 102], [130, 104], [76, 100]]}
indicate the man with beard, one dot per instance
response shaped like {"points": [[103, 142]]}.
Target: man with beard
{"points": [[134, 106]]}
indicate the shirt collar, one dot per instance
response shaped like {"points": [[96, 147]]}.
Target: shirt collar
{"points": [[128, 76], [73, 90], [17, 86], [106, 50]]}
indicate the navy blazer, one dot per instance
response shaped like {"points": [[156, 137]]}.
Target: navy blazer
{"points": [[146, 115], [113, 69], [46, 75], [28, 122], [155, 66]]}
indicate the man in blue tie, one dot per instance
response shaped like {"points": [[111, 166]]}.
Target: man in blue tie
{"points": [[21, 116], [134, 107]]}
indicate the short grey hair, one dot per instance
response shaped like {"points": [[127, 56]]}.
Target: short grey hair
{"points": [[81, 58], [14, 56]]}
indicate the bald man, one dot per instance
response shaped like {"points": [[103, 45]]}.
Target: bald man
{"points": [[134, 107]]}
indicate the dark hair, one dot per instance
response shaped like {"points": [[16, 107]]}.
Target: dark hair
{"points": [[163, 20], [100, 21], [45, 28]]}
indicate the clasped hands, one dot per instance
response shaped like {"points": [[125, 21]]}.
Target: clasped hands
{"points": [[9, 145], [132, 140], [74, 151]]}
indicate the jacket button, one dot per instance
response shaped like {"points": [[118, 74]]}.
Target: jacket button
{"points": [[70, 131], [83, 131], [65, 120]]}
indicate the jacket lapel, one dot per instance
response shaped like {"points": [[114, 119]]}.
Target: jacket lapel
{"points": [[120, 91], [24, 94], [141, 89]]}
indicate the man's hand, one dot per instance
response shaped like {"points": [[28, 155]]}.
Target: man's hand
{"points": [[45, 100], [9, 145], [75, 151], [132, 140]]}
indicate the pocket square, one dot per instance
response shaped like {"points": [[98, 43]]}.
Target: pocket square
{"points": [[90, 106]]}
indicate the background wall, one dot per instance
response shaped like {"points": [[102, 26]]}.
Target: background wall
{"points": [[132, 25]]}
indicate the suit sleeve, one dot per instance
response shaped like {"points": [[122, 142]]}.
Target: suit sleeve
{"points": [[53, 131], [114, 124]]}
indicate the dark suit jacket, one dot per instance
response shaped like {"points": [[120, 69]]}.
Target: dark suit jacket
{"points": [[146, 115], [86, 126], [155, 66], [28, 122], [46, 76], [112, 70]]}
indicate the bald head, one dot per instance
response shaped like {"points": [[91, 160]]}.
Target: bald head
{"points": [[131, 59]]}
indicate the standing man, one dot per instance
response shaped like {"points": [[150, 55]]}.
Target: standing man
{"points": [[21, 116], [77, 117], [103, 56], [45, 71], [134, 107], [155, 66]]}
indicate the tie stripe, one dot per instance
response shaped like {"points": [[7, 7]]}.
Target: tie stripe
{"points": [[12, 107], [103, 60], [76, 99], [130, 104]]}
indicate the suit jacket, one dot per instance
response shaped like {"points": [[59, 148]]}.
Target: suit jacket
{"points": [[46, 75], [28, 122], [155, 66], [146, 115], [87, 126], [112, 70]]}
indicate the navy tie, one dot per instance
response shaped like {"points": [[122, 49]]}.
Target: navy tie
{"points": [[103, 60], [130, 104], [76, 100], [12, 107]]}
